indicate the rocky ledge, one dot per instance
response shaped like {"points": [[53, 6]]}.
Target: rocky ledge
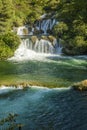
{"points": [[17, 85], [81, 86]]}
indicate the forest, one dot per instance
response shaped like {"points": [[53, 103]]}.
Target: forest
{"points": [[71, 15]]}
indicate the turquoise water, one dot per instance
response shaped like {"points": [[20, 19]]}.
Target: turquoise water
{"points": [[49, 107], [46, 109], [51, 72]]}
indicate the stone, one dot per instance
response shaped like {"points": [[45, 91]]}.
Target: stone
{"points": [[81, 86]]}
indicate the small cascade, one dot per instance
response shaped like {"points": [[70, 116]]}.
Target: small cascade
{"points": [[43, 46], [40, 27], [45, 25], [58, 46], [22, 30], [40, 46]]}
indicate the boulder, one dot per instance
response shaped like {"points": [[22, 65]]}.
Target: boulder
{"points": [[81, 86]]}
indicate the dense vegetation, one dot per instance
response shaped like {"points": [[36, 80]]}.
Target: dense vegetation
{"points": [[73, 25], [71, 14], [8, 44]]}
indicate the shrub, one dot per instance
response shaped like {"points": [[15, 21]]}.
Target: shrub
{"points": [[5, 50], [11, 39], [59, 29], [8, 44]]}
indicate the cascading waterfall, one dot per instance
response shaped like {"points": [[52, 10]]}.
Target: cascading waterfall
{"points": [[33, 50], [58, 46], [40, 46], [38, 40], [45, 25]]}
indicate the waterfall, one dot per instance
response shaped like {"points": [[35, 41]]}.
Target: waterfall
{"points": [[45, 25], [43, 46], [37, 39], [58, 46], [40, 46], [34, 50]]}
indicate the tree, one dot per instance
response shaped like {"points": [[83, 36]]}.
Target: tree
{"points": [[6, 15], [73, 14], [8, 44]]}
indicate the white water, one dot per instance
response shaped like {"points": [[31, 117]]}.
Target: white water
{"points": [[43, 16], [45, 25], [20, 30], [5, 89], [41, 48], [38, 108]]}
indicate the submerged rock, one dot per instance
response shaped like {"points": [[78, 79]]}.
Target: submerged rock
{"points": [[81, 86]]}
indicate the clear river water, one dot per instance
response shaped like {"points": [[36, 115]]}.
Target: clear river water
{"points": [[54, 105]]}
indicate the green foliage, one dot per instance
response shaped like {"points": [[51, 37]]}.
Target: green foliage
{"points": [[6, 15], [8, 44], [11, 39], [60, 29], [17, 21], [80, 44], [73, 14], [27, 11], [5, 50], [80, 28]]}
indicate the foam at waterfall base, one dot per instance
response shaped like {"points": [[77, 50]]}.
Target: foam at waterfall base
{"points": [[25, 53], [30, 55]]}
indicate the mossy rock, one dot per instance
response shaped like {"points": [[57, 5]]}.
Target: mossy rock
{"points": [[51, 38], [37, 32], [25, 31], [44, 37], [33, 39], [23, 85], [81, 86]]}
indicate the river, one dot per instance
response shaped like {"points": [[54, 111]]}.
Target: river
{"points": [[51, 104]]}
